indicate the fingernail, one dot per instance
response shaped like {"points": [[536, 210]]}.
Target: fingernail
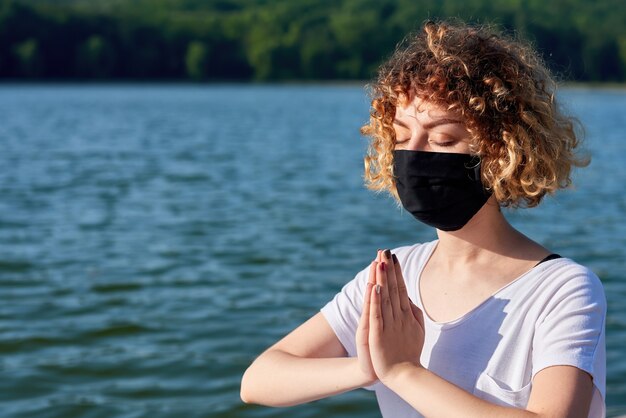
{"points": [[388, 254], [395, 259], [383, 266], [378, 289]]}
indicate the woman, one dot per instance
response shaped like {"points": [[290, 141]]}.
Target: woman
{"points": [[483, 321]]}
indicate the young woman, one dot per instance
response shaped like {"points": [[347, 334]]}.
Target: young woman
{"points": [[483, 321]]}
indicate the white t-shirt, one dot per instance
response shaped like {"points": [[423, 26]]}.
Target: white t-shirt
{"points": [[551, 315]]}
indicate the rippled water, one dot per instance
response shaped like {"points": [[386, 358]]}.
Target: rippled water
{"points": [[155, 239]]}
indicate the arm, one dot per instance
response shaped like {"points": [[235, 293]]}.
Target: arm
{"points": [[558, 391], [396, 337], [308, 364]]}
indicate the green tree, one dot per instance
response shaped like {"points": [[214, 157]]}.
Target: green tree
{"points": [[95, 58], [197, 60], [365, 32], [284, 39], [272, 42], [28, 58]]}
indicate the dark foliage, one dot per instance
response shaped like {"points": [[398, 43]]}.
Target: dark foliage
{"points": [[282, 39]]}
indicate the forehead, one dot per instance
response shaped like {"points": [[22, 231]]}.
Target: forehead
{"points": [[420, 108]]}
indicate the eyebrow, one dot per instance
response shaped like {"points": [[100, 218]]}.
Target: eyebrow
{"points": [[430, 125]]}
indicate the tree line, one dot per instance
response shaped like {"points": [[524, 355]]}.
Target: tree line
{"points": [[218, 40]]}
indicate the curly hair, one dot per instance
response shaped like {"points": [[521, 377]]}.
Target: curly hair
{"points": [[505, 95]]}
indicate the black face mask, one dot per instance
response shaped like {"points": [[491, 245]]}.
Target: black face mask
{"points": [[442, 190]]}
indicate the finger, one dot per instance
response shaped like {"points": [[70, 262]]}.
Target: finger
{"points": [[392, 283], [367, 294], [372, 275], [405, 302], [382, 281], [365, 313], [366, 299], [379, 259], [376, 323]]}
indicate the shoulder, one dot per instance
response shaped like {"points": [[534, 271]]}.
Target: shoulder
{"points": [[566, 276], [566, 283]]}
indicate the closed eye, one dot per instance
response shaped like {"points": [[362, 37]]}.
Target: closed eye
{"points": [[402, 133], [448, 136], [444, 144]]}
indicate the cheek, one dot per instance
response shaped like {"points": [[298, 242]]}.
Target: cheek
{"points": [[463, 147], [464, 141]]}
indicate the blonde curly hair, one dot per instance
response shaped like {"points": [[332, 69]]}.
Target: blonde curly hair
{"points": [[505, 95]]}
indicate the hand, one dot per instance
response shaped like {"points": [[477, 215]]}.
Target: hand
{"points": [[396, 325], [362, 332]]}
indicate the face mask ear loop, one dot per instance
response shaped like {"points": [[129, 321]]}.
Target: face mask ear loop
{"points": [[474, 172], [473, 166]]}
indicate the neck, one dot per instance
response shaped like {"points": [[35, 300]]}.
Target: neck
{"points": [[486, 236]]}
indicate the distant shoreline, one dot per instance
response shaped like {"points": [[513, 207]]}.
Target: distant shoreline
{"points": [[338, 83], [594, 85]]}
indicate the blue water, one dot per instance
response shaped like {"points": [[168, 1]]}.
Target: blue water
{"points": [[155, 239]]}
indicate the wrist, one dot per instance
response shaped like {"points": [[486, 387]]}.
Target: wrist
{"points": [[363, 378], [400, 373]]}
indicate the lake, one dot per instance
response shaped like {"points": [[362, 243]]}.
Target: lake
{"points": [[155, 238]]}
